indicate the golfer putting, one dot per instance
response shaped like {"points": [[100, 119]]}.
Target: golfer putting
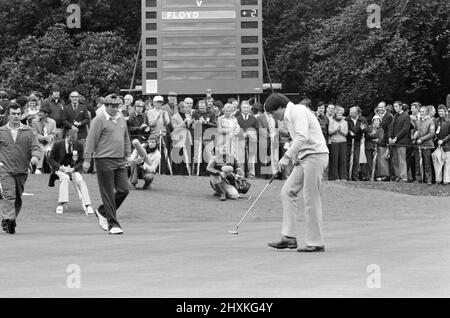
{"points": [[309, 154]]}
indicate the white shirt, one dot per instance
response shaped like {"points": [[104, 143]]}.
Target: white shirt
{"points": [[109, 117], [305, 130], [14, 131]]}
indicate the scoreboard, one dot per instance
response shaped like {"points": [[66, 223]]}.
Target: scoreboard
{"points": [[190, 46]]}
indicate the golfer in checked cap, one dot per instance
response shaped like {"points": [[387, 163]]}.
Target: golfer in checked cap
{"points": [[309, 154], [108, 139]]}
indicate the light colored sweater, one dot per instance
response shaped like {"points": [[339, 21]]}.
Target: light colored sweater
{"points": [[305, 130], [107, 139], [338, 130]]}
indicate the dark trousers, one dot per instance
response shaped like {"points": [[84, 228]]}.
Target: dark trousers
{"points": [[164, 145], [181, 160], [12, 189], [426, 164], [338, 161], [370, 153], [355, 168], [410, 163], [111, 175]]}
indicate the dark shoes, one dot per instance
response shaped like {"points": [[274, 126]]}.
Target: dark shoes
{"points": [[291, 243], [9, 226], [147, 186], [285, 242], [311, 249]]}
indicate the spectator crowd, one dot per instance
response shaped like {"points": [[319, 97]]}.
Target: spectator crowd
{"points": [[398, 142]]}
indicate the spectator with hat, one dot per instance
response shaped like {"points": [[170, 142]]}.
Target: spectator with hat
{"points": [[55, 105], [109, 143], [46, 131], [159, 121]]}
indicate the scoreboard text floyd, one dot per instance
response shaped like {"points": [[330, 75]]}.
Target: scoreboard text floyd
{"points": [[189, 46]]}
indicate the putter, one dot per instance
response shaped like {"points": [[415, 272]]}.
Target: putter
{"points": [[235, 231]]}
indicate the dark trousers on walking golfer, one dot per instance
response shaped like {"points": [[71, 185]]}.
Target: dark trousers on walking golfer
{"points": [[113, 183], [12, 189]]}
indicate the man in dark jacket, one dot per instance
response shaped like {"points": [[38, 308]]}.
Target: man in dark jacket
{"points": [[18, 147], [400, 139], [323, 119], [356, 126], [66, 159], [137, 123], [386, 124], [76, 116], [247, 139], [443, 141], [56, 106]]}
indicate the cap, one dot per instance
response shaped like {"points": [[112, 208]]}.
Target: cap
{"points": [[376, 117], [172, 94], [112, 99], [158, 99]]}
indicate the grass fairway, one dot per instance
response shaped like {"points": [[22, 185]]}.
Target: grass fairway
{"points": [[176, 244]]}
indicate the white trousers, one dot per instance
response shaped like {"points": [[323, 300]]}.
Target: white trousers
{"points": [[79, 183], [306, 176], [446, 170], [252, 152]]}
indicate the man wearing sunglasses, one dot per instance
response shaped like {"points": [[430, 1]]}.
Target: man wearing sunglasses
{"points": [[108, 139]]}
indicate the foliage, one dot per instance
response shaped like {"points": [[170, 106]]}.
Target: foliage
{"points": [[38, 50], [338, 58], [317, 48]]}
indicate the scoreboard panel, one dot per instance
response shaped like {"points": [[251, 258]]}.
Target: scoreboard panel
{"points": [[192, 45]]}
